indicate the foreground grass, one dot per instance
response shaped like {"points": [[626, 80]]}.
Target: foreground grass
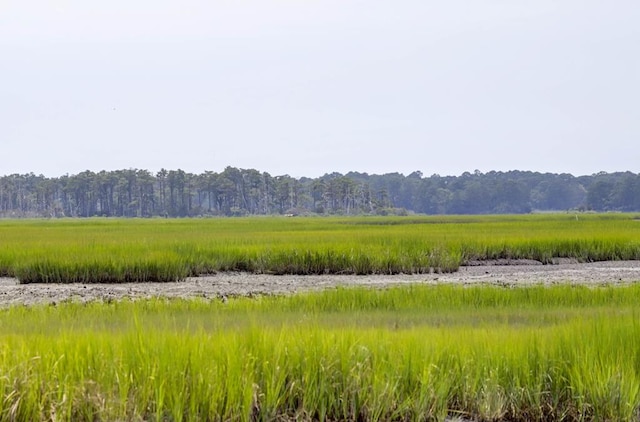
{"points": [[104, 250], [413, 353]]}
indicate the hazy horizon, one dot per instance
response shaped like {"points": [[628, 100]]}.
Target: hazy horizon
{"points": [[424, 175], [321, 86]]}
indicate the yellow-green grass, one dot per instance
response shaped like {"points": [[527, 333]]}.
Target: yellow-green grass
{"points": [[107, 250], [417, 353]]}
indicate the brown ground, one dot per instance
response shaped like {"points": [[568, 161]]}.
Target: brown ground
{"points": [[230, 284]]}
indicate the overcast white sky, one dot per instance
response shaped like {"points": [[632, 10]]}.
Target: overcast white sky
{"points": [[307, 87]]}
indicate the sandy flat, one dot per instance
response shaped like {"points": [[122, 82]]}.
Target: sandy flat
{"points": [[231, 284]]}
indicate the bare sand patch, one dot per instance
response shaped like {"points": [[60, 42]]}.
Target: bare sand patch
{"points": [[243, 284]]}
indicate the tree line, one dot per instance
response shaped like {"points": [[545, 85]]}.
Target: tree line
{"points": [[238, 192]]}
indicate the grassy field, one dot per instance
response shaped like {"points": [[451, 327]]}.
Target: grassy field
{"points": [[107, 250], [402, 354]]}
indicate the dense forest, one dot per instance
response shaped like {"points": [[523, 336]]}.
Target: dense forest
{"points": [[238, 192]]}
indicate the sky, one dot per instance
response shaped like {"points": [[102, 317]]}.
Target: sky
{"points": [[308, 87]]}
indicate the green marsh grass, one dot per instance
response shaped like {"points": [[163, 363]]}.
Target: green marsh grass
{"points": [[414, 353], [107, 250]]}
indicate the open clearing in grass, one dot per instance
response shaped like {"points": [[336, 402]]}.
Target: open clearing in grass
{"points": [[119, 251], [411, 353], [247, 284]]}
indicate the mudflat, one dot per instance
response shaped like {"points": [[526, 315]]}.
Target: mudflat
{"points": [[222, 285]]}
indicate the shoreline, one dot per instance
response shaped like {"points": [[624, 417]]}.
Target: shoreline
{"points": [[221, 285]]}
